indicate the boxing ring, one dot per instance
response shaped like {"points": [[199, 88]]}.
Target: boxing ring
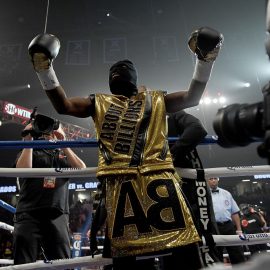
{"points": [[98, 261]]}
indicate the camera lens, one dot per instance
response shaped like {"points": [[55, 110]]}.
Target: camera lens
{"points": [[44, 127], [239, 124], [43, 124]]}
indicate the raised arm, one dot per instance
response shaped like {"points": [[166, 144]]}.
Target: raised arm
{"points": [[25, 158], [43, 49], [205, 43]]}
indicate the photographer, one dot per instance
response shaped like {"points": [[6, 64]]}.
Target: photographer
{"points": [[41, 219], [253, 222]]}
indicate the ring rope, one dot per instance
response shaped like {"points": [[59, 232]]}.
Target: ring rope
{"points": [[226, 240], [62, 264], [6, 261], [7, 206], [220, 240], [73, 143], [91, 172], [6, 227]]}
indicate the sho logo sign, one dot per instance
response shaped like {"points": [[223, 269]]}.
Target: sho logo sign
{"points": [[10, 108], [17, 111]]}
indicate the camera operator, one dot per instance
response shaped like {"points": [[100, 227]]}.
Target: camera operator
{"points": [[41, 218]]}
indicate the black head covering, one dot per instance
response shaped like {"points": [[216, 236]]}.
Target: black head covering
{"points": [[123, 78]]}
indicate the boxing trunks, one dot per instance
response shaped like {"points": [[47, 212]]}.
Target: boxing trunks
{"points": [[146, 211]]}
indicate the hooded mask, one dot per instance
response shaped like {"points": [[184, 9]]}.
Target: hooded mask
{"points": [[123, 79]]}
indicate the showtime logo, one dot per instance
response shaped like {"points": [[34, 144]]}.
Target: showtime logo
{"points": [[10, 108], [16, 110]]}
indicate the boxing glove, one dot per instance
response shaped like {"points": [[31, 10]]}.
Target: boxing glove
{"points": [[43, 49], [205, 43]]}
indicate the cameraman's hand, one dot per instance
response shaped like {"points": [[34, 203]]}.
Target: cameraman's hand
{"points": [[28, 136], [59, 133]]}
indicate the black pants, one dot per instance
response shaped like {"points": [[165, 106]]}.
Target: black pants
{"points": [[236, 253], [33, 230], [181, 258]]}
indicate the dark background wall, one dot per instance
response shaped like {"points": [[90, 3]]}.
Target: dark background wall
{"points": [[154, 35]]}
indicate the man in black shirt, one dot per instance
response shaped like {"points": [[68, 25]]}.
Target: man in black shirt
{"points": [[41, 219], [190, 133]]}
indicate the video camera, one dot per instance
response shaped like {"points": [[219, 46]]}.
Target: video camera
{"points": [[241, 124], [41, 124]]}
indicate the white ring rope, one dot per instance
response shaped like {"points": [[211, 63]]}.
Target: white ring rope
{"points": [[221, 240], [6, 227], [41, 172], [6, 261], [225, 171], [243, 240], [62, 264], [91, 172]]}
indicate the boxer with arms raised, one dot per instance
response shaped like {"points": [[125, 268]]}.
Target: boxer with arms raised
{"points": [[146, 212]]}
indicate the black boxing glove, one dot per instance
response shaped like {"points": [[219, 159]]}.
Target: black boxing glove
{"points": [[43, 49], [205, 43]]}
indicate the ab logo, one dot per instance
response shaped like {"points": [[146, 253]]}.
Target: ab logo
{"points": [[146, 219]]}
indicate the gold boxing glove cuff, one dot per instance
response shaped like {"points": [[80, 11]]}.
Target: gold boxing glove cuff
{"points": [[202, 71], [48, 79]]}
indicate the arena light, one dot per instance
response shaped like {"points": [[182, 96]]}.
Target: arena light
{"points": [[216, 100], [222, 100], [207, 100], [246, 84], [246, 180]]}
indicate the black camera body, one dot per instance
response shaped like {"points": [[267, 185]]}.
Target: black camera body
{"points": [[41, 124], [241, 124]]}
